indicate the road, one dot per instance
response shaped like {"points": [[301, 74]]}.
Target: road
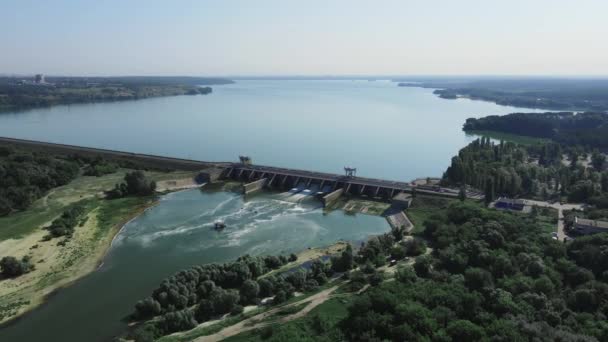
{"points": [[250, 323], [330, 177], [561, 234]]}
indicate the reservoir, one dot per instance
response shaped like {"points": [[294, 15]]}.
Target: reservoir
{"points": [[383, 130]]}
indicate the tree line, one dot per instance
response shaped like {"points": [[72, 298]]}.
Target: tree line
{"points": [[135, 184], [12, 267], [589, 129], [27, 176], [491, 276], [204, 292], [65, 224], [19, 93], [537, 171]]}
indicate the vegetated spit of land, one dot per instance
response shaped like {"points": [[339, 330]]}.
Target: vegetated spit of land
{"points": [[544, 93], [23, 92], [60, 261]]}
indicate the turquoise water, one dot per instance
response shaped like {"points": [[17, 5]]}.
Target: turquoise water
{"points": [[383, 130], [174, 235]]}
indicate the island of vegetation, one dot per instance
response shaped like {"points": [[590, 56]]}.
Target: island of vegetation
{"points": [[545, 93], [18, 93]]}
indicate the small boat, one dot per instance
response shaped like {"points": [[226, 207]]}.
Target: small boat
{"points": [[219, 225]]}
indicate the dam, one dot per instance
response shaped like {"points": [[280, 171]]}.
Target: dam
{"points": [[330, 186]]}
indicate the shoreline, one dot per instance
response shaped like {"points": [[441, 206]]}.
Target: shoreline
{"points": [[94, 260], [86, 266]]}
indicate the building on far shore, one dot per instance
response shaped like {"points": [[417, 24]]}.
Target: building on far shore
{"points": [[586, 226], [510, 203]]}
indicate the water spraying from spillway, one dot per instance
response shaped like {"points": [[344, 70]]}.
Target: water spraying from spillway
{"points": [[300, 193]]}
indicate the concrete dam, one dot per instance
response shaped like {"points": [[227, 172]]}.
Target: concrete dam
{"points": [[327, 186], [330, 186]]}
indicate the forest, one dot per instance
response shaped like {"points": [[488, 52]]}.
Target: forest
{"points": [[26, 176], [19, 93], [532, 171], [491, 276], [589, 130]]}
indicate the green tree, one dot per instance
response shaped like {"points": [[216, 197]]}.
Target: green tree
{"points": [[489, 191], [597, 160], [405, 274], [11, 267], [279, 297], [345, 261], [465, 331], [462, 194], [249, 291], [604, 181], [237, 310], [415, 247], [146, 308], [135, 184], [205, 310], [266, 287], [422, 266], [477, 278]]}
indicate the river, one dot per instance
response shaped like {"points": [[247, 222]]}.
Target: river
{"points": [[383, 130]]}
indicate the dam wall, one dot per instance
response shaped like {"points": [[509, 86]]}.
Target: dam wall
{"points": [[252, 187], [331, 197], [144, 160]]}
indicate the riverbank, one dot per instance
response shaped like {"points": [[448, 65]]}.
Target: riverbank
{"points": [[209, 329], [59, 262]]}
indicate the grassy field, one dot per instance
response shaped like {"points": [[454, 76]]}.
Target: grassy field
{"points": [[60, 261], [547, 218], [47, 208]]}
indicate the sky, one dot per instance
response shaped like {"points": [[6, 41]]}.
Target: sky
{"points": [[313, 37]]}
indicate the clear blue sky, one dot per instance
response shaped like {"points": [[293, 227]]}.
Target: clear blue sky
{"points": [[313, 37]]}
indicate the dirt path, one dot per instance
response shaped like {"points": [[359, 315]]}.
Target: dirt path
{"points": [[313, 302]]}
